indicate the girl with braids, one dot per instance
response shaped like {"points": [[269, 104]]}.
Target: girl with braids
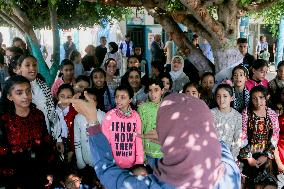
{"points": [[260, 133]]}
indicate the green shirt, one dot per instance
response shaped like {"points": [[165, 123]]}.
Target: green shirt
{"points": [[148, 114]]}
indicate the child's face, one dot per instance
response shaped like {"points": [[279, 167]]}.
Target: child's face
{"points": [[68, 71], [73, 182], [176, 64], [258, 100], [208, 82], [137, 51], [122, 100], [243, 48], [111, 68], [21, 95], [223, 98], [94, 97], [239, 78], [166, 83], [192, 91], [28, 68], [80, 86], [155, 93], [280, 73], [99, 79], [133, 62], [134, 80], [260, 73], [63, 95]]}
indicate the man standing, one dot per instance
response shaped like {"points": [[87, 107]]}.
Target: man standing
{"points": [[101, 50], [126, 47], [243, 48], [157, 49], [69, 46]]}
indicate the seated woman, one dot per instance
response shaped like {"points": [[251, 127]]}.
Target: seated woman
{"points": [[184, 135]]}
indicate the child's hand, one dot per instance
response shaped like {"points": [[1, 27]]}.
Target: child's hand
{"points": [[69, 156], [140, 171], [151, 135], [252, 162], [84, 107], [261, 160], [60, 147]]}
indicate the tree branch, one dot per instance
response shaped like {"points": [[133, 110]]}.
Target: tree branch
{"points": [[254, 6], [210, 3], [7, 19], [202, 15], [172, 28], [190, 22], [123, 3], [227, 14]]}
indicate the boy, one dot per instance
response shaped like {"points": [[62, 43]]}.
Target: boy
{"points": [[148, 114]]}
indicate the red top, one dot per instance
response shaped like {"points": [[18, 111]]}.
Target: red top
{"points": [[69, 119]]}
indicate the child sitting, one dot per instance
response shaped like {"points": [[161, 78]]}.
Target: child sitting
{"points": [[241, 94], [120, 126], [259, 72], [148, 113], [192, 89]]}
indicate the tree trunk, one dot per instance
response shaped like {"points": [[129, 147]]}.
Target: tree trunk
{"points": [[56, 42]]}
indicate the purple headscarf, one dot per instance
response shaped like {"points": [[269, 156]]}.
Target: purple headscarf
{"points": [[192, 152]]}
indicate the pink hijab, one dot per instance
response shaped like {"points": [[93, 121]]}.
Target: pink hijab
{"points": [[192, 152]]}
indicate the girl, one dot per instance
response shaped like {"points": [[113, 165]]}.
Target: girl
{"points": [[64, 129], [259, 72], [228, 122], [110, 68], [277, 84], [105, 95], [27, 67], [178, 76], [207, 84], [132, 78], [260, 132], [66, 75], [81, 142], [75, 57], [25, 144], [192, 89], [114, 54], [241, 94], [82, 82], [167, 83], [120, 127]]}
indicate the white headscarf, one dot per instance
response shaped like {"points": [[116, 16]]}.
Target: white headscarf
{"points": [[176, 74]]}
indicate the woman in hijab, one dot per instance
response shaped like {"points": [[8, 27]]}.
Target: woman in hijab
{"points": [[114, 54], [178, 76], [193, 157]]}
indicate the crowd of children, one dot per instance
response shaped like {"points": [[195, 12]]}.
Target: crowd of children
{"points": [[43, 138]]}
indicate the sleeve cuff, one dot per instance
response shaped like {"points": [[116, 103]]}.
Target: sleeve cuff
{"points": [[93, 130]]}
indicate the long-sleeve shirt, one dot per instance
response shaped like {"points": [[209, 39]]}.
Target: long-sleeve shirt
{"points": [[121, 131], [251, 83], [229, 129], [148, 114], [112, 176], [81, 140], [253, 136]]}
